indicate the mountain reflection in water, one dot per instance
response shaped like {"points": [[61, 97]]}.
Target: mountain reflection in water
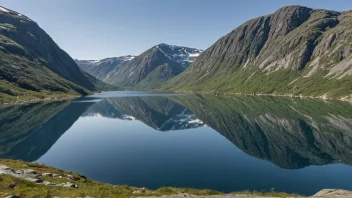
{"points": [[290, 133]]}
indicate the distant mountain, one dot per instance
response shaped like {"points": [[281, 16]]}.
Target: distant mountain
{"points": [[32, 65], [101, 68], [153, 67], [296, 50]]}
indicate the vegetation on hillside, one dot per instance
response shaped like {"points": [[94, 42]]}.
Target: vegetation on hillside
{"points": [[10, 185], [294, 51], [32, 66]]}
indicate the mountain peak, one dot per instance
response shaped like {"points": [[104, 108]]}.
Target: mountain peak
{"points": [[14, 14], [180, 54], [310, 47]]}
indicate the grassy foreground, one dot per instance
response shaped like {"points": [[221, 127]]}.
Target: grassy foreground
{"points": [[10, 185]]}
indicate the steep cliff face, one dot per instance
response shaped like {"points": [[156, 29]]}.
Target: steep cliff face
{"points": [[153, 67], [31, 62], [296, 50]]}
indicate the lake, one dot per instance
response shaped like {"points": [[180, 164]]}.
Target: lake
{"points": [[224, 143]]}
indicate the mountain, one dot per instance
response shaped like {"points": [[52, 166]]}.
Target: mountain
{"points": [[296, 50], [159, 113], [289, 133], [153, 67], [101, 68], [32, 65]]}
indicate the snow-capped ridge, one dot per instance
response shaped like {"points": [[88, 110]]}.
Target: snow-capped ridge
{"points": [[180, 54], [11, 12], [110, 60], [3, 9]]}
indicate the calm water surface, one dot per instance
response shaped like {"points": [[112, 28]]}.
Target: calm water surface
{"points": [[155, 140]]}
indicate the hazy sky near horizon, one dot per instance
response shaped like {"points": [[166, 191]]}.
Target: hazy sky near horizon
{"points": [[96, 29]]}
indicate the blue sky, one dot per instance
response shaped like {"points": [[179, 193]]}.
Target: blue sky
{"points": [[95, 29]]}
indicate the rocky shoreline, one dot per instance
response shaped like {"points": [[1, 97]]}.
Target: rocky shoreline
{"points": [[64, 184], [325, 193]]}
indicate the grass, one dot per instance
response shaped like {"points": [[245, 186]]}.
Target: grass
{"points": [[266, 194], [256, 82], [14, 186], [10, 185]]}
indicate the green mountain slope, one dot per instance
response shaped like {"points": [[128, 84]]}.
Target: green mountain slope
{"points": [[32, 65], [296, 50]]}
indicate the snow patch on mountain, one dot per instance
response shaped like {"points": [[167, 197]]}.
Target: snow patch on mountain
{"points": [[128, 117], [3, 9], [198, 121], [111, 60], [180, 54]]}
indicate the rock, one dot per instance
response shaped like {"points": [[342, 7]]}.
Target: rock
{"points": [[35, 180], [47, 183], [136, 192], [56, 175], [29, 171], [70, 185], [19, 172], [71, 177], [47, 174], [326, 193], [5, 168]]}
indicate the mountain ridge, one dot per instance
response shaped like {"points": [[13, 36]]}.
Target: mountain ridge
{"points": [[32, 65], [101, 68], [295, 51], [153, 67]]}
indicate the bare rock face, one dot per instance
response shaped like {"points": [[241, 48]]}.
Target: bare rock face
{"points": [[333, 193], [33, 176], [310, 46]]}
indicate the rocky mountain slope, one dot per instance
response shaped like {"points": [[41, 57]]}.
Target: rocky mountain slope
{"points": [[33, 65], [296, 50], [153, 67], [101, 68]]}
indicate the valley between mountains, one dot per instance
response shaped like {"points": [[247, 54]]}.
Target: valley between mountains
{"points": [[295, 51]]}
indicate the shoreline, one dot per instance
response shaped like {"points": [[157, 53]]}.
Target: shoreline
{"points": [[37, 180], [37, 100], [324, 97]]}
